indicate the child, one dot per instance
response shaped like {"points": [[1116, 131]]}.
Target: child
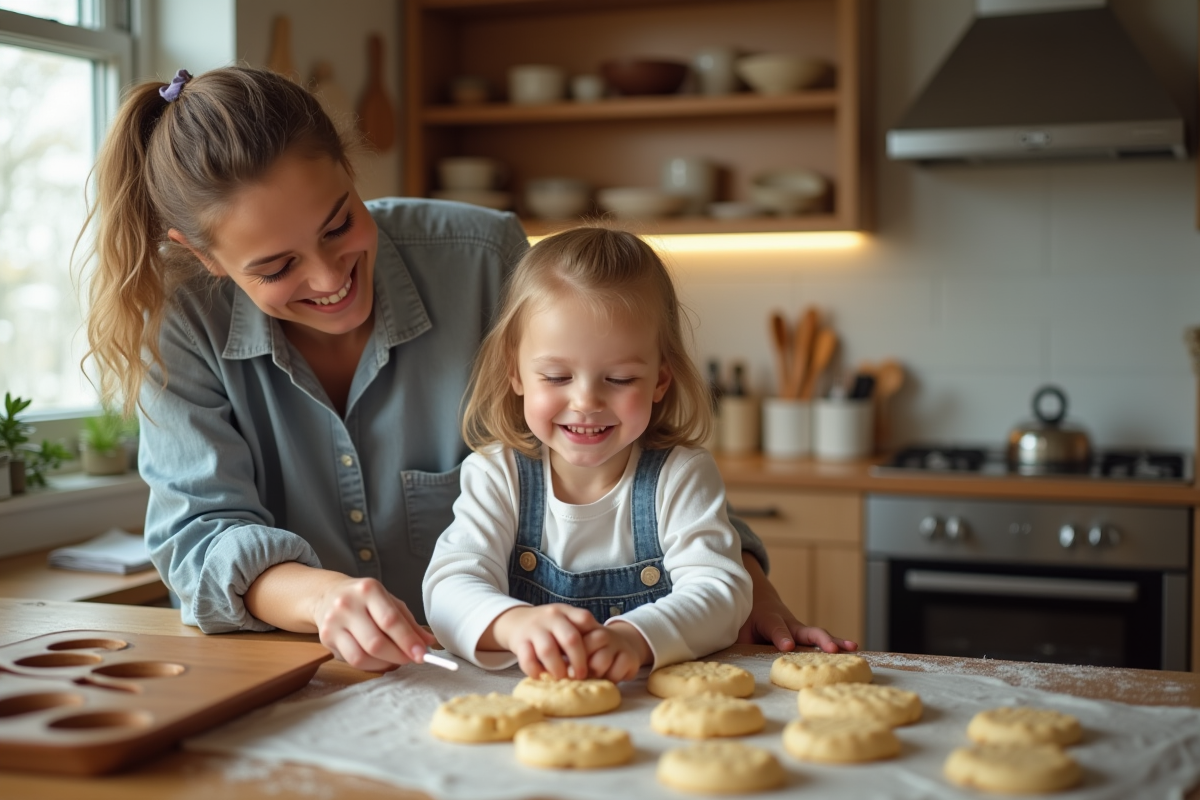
{"points": [[591, 526]]}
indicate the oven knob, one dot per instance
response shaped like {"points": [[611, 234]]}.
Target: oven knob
{"points": [[956, 529], [1066, 535], [1102, 535], [930, 527]]}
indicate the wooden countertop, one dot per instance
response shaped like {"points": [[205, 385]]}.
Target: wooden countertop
{"points": [[178, 773], [30, 575], [856, 476]]}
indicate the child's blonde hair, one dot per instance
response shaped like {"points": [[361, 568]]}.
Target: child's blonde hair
{"points": [[614, 271]]}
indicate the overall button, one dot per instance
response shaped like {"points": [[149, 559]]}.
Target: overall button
{"points": [[614, 611], [365, 554], [356, 516], [650, 576], [527, 561], [347, 461]]}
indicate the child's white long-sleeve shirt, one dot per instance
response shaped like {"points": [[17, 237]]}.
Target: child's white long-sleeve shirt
{"points": [[466, 585]]}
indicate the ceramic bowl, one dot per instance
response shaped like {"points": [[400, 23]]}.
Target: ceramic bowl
{"points": [[637, 202], [557, 198], [488, 198], [733, 210], [780, 73], [790, 191], [633, 76]]}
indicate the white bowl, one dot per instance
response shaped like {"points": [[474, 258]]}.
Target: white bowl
{"points": [[557, 198], [638, 202], [534, 84], [780, 73], [488, 198], [790, 191], [733, 210]]}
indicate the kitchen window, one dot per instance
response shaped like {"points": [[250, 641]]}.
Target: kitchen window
{"points": [[61, 65]]}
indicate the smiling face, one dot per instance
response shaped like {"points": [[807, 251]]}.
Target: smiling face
{"points": [[589, 382], [300, 244]]}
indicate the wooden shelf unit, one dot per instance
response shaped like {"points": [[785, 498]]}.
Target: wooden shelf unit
{"points": [[623, 141]]}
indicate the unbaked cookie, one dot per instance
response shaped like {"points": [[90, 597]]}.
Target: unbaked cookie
{"points": [[1030, 769], [475, 718], [572, 745], [704, 716], [839, 741], [1024, 725], [720, 768], [569, 697], [860, 700], [803, 670], [698, 677]]}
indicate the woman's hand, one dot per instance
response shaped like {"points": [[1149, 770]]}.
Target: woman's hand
{"points": [[542, 636], [771, 622], [368, 627], [616, 652]]}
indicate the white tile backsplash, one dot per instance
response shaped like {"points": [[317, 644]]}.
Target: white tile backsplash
{"points": [[988, 281]]}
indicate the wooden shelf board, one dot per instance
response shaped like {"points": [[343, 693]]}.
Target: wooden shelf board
{"points": [[672, 225], [617, 108]]}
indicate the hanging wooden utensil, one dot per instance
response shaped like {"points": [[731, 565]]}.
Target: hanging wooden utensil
{"points": [[806, 333], [781, 344], [280, 58], [330, 94], [889, 379], [823, 349], [376, 118]]}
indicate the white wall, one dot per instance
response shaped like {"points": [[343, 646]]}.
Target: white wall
{"points": [[335, 32], [987, 281]]}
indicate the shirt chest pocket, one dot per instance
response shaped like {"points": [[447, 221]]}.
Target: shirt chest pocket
{"points": [[429, 506]]}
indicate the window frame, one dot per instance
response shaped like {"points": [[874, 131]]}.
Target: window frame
{"points": [[110, 42]]}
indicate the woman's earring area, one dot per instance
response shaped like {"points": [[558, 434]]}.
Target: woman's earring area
{"points": [[213, 267]]}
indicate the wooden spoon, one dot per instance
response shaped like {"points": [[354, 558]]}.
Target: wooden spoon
{"points": [[781, 339], [806, 332], [823, 349], [889, 379], [280, 59], [376, 118]]}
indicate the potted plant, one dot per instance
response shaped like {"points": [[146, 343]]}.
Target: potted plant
{"points": [[14, 432], [40, 460], [102, 444]]}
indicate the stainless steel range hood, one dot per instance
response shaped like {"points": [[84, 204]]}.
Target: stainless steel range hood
{"points": [[1041, 79]]}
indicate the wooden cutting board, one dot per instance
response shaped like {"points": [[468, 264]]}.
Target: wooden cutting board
{"points": [[88, 702]]}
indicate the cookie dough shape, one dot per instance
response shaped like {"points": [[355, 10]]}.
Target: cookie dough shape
{"points": [[1030, 769], [572, 745], [884, 704], [804, 670], [569, 697], [839, 741], [1024, 725], [698, 677], [705, 716], [720, 768], [477, 718]]}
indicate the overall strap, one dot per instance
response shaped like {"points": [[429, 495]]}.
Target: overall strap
{"points": [[646, 546], [532, 513]]}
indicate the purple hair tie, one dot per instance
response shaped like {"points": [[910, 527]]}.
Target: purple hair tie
{"points": [[171, 91]]}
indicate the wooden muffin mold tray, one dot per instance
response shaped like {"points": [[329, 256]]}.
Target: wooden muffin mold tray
{"points": [[88, 702]]}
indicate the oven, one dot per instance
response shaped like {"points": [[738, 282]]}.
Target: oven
{"points": [[1104, 585]]}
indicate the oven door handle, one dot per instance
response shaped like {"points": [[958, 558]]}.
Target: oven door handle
{"points": [[925, 580]]}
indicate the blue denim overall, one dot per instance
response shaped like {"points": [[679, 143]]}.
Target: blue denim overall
{"points": [[534, 578]]}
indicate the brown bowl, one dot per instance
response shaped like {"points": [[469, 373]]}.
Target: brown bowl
{"points": [[631, 76]]}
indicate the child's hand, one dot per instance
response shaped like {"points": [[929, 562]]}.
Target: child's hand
{"points": [[616, 652], [367, 627], [542, 636], [823, 640]]}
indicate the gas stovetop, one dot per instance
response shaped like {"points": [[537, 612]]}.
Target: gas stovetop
{"points": [[1116, 464]]}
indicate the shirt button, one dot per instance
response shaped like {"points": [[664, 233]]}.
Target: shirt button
{"points": [[614, 611], [650, 576], [365, 554], [356, 516], [347, 461], [528, 561]]}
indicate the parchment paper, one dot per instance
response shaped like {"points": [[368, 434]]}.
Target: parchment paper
{"points": [[379, 729]]}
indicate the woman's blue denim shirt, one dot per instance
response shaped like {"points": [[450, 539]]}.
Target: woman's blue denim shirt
{"points": [[248, 463]]}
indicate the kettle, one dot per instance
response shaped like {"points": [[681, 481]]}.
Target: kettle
{"points": [[1048, 444]]}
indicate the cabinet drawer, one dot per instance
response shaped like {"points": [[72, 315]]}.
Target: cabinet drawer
{"points": [[798, 516]]}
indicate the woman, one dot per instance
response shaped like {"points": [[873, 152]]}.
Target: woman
{"points": [[299, 359]]}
